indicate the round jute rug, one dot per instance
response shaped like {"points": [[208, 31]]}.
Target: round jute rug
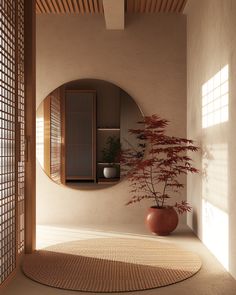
{"points": [[111, 265]]}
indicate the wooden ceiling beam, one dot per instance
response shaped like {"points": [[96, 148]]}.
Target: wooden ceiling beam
{"points": [[114, 12]]}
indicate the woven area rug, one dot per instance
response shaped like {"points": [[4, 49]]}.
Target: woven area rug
{"points": [[111, 265]]}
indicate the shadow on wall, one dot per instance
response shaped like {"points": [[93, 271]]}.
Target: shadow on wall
{"points": [[215, 159]]}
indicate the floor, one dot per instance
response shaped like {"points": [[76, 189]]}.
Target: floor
{"points": [[211, 280]]}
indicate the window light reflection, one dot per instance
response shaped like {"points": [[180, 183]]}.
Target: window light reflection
{"points": [[215, 99]]}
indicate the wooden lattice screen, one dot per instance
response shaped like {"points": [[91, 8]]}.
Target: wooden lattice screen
{"points": [[12, 98]]}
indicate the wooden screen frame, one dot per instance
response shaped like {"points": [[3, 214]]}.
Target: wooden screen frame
{"points": [[30, 126]]}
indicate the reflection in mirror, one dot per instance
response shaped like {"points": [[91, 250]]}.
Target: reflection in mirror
{"points": [[81, 128]]}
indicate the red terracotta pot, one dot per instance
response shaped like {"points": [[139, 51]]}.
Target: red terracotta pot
{"points": [[162, 221]]}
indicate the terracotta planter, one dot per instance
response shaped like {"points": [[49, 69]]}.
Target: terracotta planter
{"points": [[162, 221]]}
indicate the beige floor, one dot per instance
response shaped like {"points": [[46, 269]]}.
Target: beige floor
{"points": [[211, 280]]}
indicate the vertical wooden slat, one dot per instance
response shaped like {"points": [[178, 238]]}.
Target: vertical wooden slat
{"points": [[67, 9], [41, 6], [30, 127], [148, 6], [130, 5], [163, 6], [153, 6], [56, 7], [86, 6], [137, 6], [169, 5], [76, 5], [181, 7], [100, 5], [47, 135], [45, 5], [91, 7], [72, 10], [174, 5], [81, 6], [38, 10], [96, 9], [51, 6], [62, 9], [63, 135], [142, 6], [158, 5], [55, 136]]}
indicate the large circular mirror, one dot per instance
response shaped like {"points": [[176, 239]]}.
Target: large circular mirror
{"points": [[81, 128]]}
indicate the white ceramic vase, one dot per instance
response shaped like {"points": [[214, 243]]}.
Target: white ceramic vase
{"points": [[109, 172]]}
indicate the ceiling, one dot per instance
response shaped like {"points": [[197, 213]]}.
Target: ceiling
{"points": [[97, 7]]}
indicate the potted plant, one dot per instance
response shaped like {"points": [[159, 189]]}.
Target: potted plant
{"points": [[110, 156], [155, 173]]}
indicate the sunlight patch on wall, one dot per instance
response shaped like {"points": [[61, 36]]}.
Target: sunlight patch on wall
{"points": [[40, 140], [215, 99], [215, 219], [216, 232]]}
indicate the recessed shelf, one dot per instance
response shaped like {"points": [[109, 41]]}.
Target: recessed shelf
{"points": [[103, 163], [75, 177], [103, 180], [108, 129]]}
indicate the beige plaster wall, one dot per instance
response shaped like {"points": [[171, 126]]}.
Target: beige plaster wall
{"points": [[212, 45], [147, 59]]}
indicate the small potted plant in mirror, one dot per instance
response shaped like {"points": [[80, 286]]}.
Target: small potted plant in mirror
{"points": [[155, 173], [111, 157]]}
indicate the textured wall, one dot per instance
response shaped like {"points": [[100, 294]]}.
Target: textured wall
{"points": [[211, 46], [147, 59]]}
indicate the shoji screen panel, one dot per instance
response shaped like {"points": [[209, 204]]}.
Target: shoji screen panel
{"points": [[8, 197], [11, 134], [55, 136]]}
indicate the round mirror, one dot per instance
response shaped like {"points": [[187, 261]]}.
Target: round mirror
{"points": [[82, 126]]}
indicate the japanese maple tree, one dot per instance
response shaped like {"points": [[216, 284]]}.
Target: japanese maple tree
{"points": [[155, 166]]}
